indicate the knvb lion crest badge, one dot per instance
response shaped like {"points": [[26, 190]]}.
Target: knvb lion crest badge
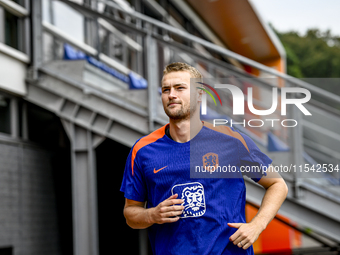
{"points": [[193, 196], [210, 161]]}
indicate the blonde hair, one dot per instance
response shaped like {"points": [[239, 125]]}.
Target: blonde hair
{"points": [[179, 66]]}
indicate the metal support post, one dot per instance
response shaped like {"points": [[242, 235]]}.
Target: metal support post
{"points": [[91, 30], [52, 21], [84, 188], [2, 25], [27, 30], [143, 242], [153, 79], [97, 40], [14, 117], [139, 40], [24, 121], [37, 36], [297, 148]]}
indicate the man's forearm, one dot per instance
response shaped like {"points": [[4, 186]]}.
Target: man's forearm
{"points": [[137, 217], [271, 203]]}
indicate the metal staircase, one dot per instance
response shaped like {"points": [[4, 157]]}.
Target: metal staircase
{"points": [[91, 100]]}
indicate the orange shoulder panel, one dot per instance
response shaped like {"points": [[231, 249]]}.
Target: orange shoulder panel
{"points": [[154, 136], [227, 131]]}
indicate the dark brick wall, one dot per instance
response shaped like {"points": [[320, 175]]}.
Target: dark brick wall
{"points": [[28, 215]]}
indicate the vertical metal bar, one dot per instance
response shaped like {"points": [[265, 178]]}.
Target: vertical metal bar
{"points": [[2, 25], [81, 199], [108, 43], [21, 200], [14, 117], [92, 187], [21, 34], [297, 148], [143, 242], [27, 32], [24, 125], [52, 21], [37, 36], [75, 201], [89, 33], [125, 52], [152, 75], [98, 42], [84, 191], [139, 40]]}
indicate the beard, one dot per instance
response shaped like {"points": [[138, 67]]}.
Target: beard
{"points": [[183, 113]]}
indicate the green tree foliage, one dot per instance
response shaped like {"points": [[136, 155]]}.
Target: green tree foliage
{"points": [[313, 55], [316, 54]]}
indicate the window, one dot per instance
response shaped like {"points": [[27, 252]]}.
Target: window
{"points": [[11, 30], [5, 115], [21, 2], [69, 20]]}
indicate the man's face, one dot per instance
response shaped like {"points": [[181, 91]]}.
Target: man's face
{"points": [[176, 95]]}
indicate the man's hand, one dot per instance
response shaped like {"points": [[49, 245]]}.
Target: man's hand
{"points": [[246, 234], [276, 192], [138, 217], [166, 211]]}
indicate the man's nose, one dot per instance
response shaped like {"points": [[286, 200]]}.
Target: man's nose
{"points": [[172, 94]]}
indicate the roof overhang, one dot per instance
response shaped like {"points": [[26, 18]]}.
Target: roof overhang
{"points": [[240, 27]]}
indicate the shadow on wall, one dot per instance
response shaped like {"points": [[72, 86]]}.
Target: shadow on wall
{"points": [[114, 233]]}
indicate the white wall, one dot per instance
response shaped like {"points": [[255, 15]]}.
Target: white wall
{"points": [[12, 74]]}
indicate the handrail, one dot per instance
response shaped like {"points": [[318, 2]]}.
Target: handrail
{"points": [[65, 37], [14, 8], [217, 49], [84, 47], [14, 53]]}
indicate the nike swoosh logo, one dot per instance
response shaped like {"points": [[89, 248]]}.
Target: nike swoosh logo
{"points": [[156, 171]]}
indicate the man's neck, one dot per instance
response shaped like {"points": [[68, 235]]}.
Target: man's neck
{"points": [[182, 131]]}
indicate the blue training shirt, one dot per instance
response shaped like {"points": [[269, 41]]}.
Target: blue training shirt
{"points": [[158, 167]]}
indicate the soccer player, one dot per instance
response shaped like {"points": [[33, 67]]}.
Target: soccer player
{"points": [[195, 215]]}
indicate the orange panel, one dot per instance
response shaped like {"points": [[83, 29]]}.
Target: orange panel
{"points": [[238, 26]]}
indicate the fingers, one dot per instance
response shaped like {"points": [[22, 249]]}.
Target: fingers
{"points": [[172, 208], [171, 202], [246, 246], [172, 197], [169, 220], [168, 210], [244, 237], [235, 225], [234, 237], [171, 214], [242, 242]]}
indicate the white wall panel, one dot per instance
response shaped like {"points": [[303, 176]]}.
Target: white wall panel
{"points": [[12, 74]]}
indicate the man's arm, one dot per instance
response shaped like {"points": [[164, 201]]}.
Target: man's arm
{"points": [[276, 193], [138, 217]]}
